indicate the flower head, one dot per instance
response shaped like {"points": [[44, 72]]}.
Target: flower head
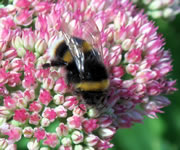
{"points": [[38, 103]]}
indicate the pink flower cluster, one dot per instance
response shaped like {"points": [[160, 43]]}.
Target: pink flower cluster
{"points": [[34, 99]]}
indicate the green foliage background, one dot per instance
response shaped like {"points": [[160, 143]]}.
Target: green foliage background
{"points": [[162, 133]]}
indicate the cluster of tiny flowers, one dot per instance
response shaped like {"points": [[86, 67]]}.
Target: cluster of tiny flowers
{"points": [[38, 105], [166, 9]]}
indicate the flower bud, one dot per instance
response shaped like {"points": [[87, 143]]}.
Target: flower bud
{"points": [[17, 42], [62, 147], [48, 83], [105, 121], [155, 5], [66, 141], [44, 148], [58, 99], [168, 12], [61, 111], [3, 143], [91, 140], [77, 137], [70, 102], [78, 147], [29, 95], [4, 112], [120, 20], [21, 103], [11, 147], [93, 113], [62, 130], [45, 122], [28, 132], [127, 44], [40, 46], [33, 145], [156, 14], [80, 110], [21, 51], [2, 120], [89, 148], [107, 132]]}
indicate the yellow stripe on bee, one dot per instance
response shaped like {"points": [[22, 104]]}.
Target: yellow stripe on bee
{"points": [[67, 57], [93, 85], [86, 46]]}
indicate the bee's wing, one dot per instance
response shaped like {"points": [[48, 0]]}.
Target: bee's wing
{"points": [[92, 35], [76, 51], [87, 31]]}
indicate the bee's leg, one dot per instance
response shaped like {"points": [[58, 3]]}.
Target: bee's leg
{"points": [[46, 65], [55, 63], [81, 100], [58, 63]]}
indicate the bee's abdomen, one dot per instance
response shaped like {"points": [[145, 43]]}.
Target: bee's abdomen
{"points": [[93, 85]]}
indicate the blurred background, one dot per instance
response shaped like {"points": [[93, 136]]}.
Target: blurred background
{"points": [[162, 133]]}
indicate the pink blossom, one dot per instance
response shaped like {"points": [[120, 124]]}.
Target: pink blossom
{"points": [[70, 102], [45, 97], [29, 95], [60, 86], [34, 118], [22, 3], [3, 12], [14, 79], [24, 17], [3, 76], [8, 22], [74, 122], [16, 64], [49, 114], [90, 125], [51, 140], [10, 53], [104, 145], [35, 107], [39, 133], [14, 134], [9, 102], [21, 115], [80, 110]]}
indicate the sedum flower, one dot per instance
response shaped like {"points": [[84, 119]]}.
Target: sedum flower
{"points": [[167, 9], [37, 103]]}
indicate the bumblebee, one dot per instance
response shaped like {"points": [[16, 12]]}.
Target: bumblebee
{"points": [[85, 69]]}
